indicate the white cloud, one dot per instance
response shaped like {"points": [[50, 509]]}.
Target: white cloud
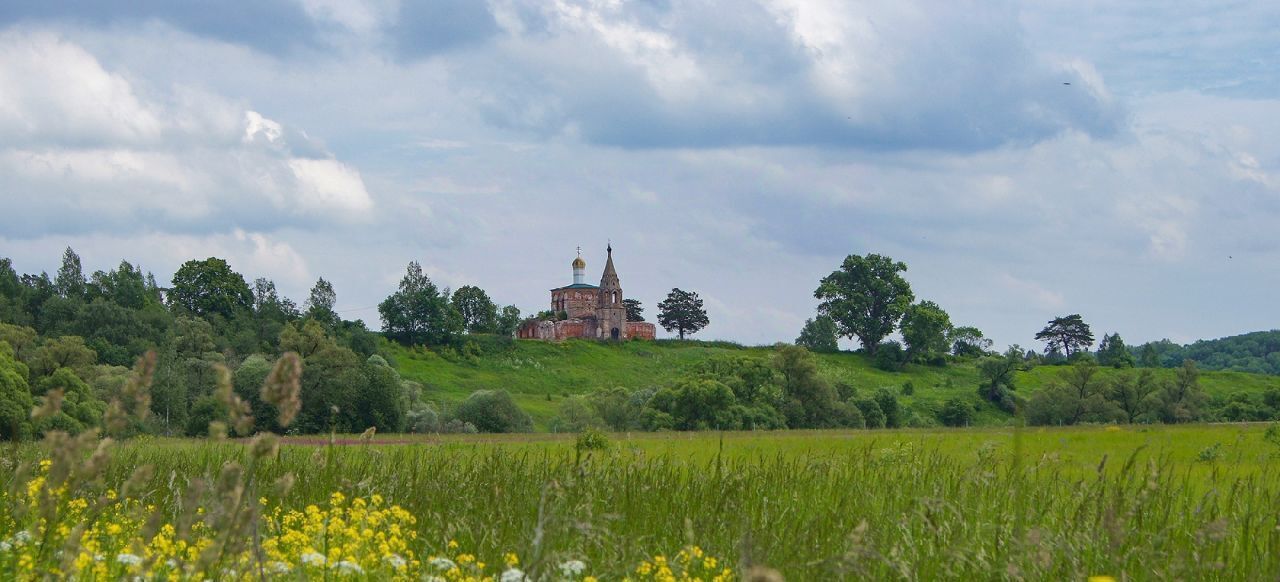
{"points": [[82, 151]]}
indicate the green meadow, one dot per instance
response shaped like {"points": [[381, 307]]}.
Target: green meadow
{"points": [[540, 374], [1159, 502]]}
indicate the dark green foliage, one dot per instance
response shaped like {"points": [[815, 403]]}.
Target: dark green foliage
{"points": [[889, 406], [1131, 394], [206, 409], [210, 287], [968, 342], [997, 379], [479, 313], [890, 356], [79, 404], [378, 402], [1077, 395], [819, 335], [635, 311], [321, 302], [418, 313], [15, 398], [925, 327], [508, 321], [865, 297], [698, 404], [1068, 333], [1181, 400], [872, 416], [810, 401], [1257, 352], [1112, 352], [956, 412], [493, 411], [247, 381], [908, 388], [682, 312], [70, 281]]}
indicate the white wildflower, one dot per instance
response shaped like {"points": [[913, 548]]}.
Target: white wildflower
{"points": [[5, 546], [21, 537], [443, 564], [348, 566], [513, 575], [129, 559], [396, 561], [572, 568], [313, 559], [278, 567]]}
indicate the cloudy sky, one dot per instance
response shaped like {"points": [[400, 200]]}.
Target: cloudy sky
{"points": [[1116, 159]]}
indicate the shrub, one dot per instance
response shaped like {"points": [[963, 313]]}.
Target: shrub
{"points": [[575, 415], [908, 388], [493, 411], [1210, 454], [956, 412], [890, 356], [871, 413], [890, 407]]}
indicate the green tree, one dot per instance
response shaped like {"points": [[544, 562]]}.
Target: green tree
{"points": [[380, 402], [698, 404], [15, 398], [1148, 357], [210, 287], [1131, 393], [1077, 395], [866, 297], [682, 312], [419, 313], [819, 335], [69, 282], [1183, 399], [508, 321], [635, 311], [889, 406], [493, 411], [125, 286], [68, 351], [956, 412], [997, 374], [321, 302], [1069, 333], [575, 414], [810, 401], [1112, 352], [479, 313], [925, 327]]}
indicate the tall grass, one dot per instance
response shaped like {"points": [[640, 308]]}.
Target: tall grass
{"points": [[887, 507]]}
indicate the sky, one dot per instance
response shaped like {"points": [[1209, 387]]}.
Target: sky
{"points": [[1120, 160]]}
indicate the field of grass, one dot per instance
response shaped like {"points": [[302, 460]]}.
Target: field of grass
{"points": [[539, 374], [1160, 502]]}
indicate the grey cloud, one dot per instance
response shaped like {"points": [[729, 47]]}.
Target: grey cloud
{"points": [[273, 26], [425, 28]]}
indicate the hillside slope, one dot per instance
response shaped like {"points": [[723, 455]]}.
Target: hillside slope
{"points": [[541, 374]]}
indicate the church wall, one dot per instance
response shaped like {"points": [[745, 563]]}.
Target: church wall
{"points": [[641, 330]]}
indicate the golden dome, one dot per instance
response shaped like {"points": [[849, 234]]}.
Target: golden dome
{"points": [[578, 263]]}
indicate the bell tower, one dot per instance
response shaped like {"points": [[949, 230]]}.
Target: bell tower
{"points": [[610, 313]]}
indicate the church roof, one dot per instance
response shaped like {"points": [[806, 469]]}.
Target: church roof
{"points": [[610, 275], [576, 286]]}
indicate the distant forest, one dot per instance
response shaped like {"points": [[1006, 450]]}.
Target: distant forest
{"points": [[1257, 353]]}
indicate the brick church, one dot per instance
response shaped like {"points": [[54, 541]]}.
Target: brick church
{"points": [[589, 311]]}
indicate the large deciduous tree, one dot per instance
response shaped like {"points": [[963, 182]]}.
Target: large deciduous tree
{"points": [[479, 313], [967, 341], [682, 312], [1068, 333], [866, 298], [419, 312], [924, 329], [210, 287]]}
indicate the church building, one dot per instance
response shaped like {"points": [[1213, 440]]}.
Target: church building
{"points": [[588, 311]]}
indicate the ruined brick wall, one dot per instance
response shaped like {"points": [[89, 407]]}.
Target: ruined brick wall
{"points": [[641, 330]]}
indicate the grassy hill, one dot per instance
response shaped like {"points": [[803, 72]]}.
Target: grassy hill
{"points": [[540, 374]]}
